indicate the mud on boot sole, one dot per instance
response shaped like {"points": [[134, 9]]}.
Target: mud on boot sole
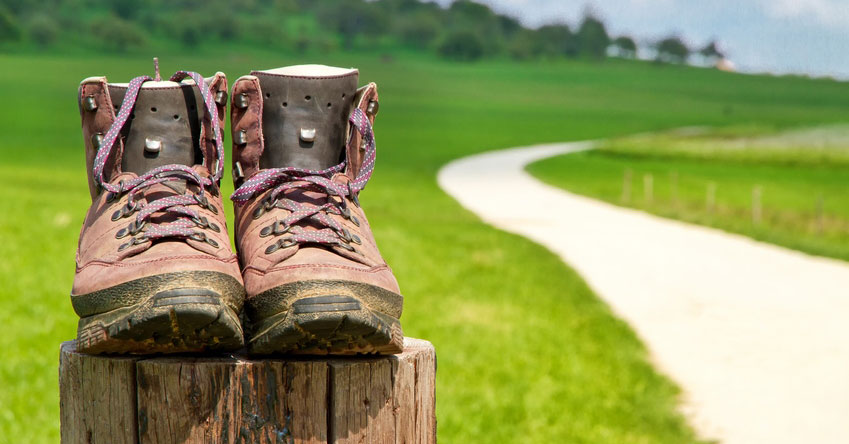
{"points": [[325, 317], [170, 313]]}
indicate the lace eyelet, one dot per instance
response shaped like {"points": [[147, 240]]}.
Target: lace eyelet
{"points": [[203, 201], [274, 229], [280, 244], [136, 226], [202, 237], [201, 222], [277, 230], [134, 241], [125, 211], [132, 229], [269, 204]]}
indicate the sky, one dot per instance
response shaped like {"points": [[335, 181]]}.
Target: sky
{"points": [[777, 36]]}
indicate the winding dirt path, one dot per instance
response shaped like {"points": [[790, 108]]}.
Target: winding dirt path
{"points": [[756, 335]]}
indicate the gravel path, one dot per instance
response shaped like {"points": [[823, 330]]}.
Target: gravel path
{"points": [[756, 335]]}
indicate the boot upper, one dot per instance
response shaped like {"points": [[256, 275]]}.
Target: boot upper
{"points": [[156, 206], [297, 211]]}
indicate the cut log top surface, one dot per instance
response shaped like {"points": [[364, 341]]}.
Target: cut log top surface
{"points": [[236, 399]]}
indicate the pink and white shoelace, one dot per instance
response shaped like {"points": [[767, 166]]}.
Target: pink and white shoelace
{"points": [[279, 180], [188, 219]]}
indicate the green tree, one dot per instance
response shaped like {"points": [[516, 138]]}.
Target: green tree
{"points": [[190, 36], [269, 33], [225, 26], [418, 29], [286, 6], [462, 45], [401, 7], [354, 18], [16, 7], [477, 18], [711, 52], [42, 29], [557, 40], [625, 47], [125, 9], [9, 30], [471, 11], [593, 39], [509, 25], [525, 45], [672, 49], [117, 34]]}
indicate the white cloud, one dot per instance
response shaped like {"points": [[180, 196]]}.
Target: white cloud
{"points": [[825, 12]]}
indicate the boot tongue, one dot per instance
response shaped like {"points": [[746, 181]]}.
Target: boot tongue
{"points": [[164, 127], [305, 115]]}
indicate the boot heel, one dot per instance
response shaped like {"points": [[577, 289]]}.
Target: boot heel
{"points": [[332, 324], [172, 321]]}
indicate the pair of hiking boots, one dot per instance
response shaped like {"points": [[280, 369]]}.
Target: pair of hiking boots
{"points": [[155, 272]]}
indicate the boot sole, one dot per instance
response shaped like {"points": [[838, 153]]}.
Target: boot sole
{"points": [[325, 317], [167, 313]]}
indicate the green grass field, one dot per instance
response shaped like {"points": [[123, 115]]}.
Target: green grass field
{"points": [[527, 353], [787, 188]]}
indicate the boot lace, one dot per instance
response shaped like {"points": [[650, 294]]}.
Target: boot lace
{"points": [[280, 180], [188, 221]]}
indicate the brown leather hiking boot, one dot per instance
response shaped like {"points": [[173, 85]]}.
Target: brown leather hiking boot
{"points": [[303, 149], [155, 271]]}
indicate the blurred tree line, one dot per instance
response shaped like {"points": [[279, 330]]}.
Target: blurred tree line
{"points": [[464, 30]]}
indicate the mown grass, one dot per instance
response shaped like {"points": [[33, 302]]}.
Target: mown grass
{"points": [[527, 353], [787, 188]]}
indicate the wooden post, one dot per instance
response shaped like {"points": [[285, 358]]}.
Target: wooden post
{"points": [[673, 188], [234, 399], [710, 199], [648, 188], [626, 186], [757, 209], [820, 214]]}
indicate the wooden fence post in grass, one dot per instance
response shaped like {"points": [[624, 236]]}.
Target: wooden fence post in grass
{"points": [[673, 188], [626, 186], [710, 198], [820, 214], [233, 399], [648, 188], [757, 209]]}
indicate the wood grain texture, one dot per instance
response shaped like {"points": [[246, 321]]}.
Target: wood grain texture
{"points": [[233, 399], [98, 398], [229, 400], [385, 400]]}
